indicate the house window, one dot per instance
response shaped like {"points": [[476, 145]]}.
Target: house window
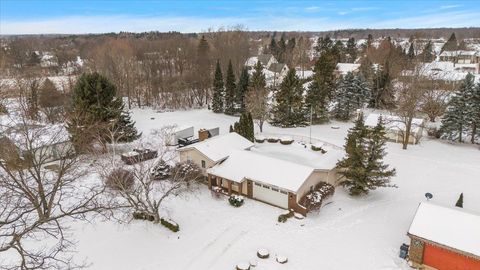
{"points": [[203, 164], [275, 189], [257, 184], [283, 192], [265, 186]]}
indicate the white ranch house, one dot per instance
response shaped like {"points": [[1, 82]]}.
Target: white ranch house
{"points": [[233, 165], [395, 127]]}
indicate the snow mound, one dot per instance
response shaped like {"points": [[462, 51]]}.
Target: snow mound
{"points": [[263, 253], [281, 259], [243, 266]]}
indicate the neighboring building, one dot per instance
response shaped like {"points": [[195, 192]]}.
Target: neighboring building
{"points": [[460, 57], [444, 238], [273, 70], [343, 68], [46, 143], [395, 127], [209, 152], [233, 165]]}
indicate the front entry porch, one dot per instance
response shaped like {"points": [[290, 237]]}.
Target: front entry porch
{"points": [[229, 187]]}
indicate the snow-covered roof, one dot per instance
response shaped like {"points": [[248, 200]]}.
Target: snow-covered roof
{"points": [[261, 168], [344, 68], [393, 122], [37, 136], [305, 74], [459, 52], [263, 58], [448, 226], [220, 147]]}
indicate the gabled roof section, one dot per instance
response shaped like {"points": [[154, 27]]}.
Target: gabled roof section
{"points": [[448, 226], [220, 147], [393, 122], [276, 67], [242, 165]]}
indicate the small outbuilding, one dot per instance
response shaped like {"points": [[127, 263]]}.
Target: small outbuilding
{"points": [[395, 127], [444, 238]]}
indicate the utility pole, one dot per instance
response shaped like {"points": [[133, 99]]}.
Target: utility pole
{"points": [[311, 117]]}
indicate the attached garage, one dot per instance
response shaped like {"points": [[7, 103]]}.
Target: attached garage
{"points": [[443, 259], [270, 195]]}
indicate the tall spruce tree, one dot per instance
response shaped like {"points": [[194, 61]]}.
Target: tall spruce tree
{"points": [[321, 89], [218, 90], [95, 104], [351, 50], [411, 51], [230, 90], [352, 94], [382, 96], [363, 166], [451, 44], [244, 127], [289, 108], [241, 90], [473, 104], [427, 53], [457, 119]]}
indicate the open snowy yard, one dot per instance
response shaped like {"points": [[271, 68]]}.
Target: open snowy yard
{"points": [[350, 233]]}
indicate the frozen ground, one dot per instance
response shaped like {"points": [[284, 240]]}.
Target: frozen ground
{"points": [[350, 233]]}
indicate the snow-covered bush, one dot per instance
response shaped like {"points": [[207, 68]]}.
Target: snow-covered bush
{"points": [[318, 147], [272, 139], [143, 216], [161, 171], [263, 253], [170, 224], [120, 179], [314, 199], [3, 109], [286, 140], [285, 216], [259, 139], [236, 200]]}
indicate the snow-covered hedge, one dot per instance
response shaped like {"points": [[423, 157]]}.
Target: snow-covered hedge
{"points": [[243, 266], [120, 179], [259, 139], [272, 139], [170, 224], [314, 199], [318, 147], [282, 259], [263, 253], [285, 216], [286, 140], [236, 200], [143, 216]]}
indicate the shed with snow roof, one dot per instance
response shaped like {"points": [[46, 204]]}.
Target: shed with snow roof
{"points": [[444, 238], [395, 127]]}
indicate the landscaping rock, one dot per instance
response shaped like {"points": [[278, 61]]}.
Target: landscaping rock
{"points": [[281, 259], [243, 266], [263, 253]]}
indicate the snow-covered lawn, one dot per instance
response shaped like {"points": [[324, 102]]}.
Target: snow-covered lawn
{"points": [[350, 233]]}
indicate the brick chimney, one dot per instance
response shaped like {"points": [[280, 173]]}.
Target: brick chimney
{"points": [[203, 134]]}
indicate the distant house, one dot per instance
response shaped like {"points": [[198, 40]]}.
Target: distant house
{"points": [[460, 57], [444, 238], [46, 143], [234, 167], [273, 70], [395, 127], [343, 68]]}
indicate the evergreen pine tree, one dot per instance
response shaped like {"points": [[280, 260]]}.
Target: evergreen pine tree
{"points": [[351, 50], [289, 109], [230, 90], [382, 96], [411, 51], [460, 201], [218, 90], [352, 93], [273, 48], [363, 166], [241, 90], [451, 44], [244, 127], [473, 104], [427, 52], [457, 118], [321, 89], [32, 100], [94, 103]]}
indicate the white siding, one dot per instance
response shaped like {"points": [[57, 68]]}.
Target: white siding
{"points": [[270, 196]]}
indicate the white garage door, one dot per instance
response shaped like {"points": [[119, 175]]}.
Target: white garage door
{"points": [[270, 195]]}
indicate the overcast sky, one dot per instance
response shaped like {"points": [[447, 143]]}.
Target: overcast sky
{"points": [[95, 16]]}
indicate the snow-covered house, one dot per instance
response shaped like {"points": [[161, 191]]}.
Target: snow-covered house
{"points": [[444, 238], [211, 151], [265, 59], [344, 68], [460, 57], [46, 143], [395, 127], [273, 70]]}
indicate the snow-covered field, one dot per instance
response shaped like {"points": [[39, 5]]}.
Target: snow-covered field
{"points": [[350, 233]]}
